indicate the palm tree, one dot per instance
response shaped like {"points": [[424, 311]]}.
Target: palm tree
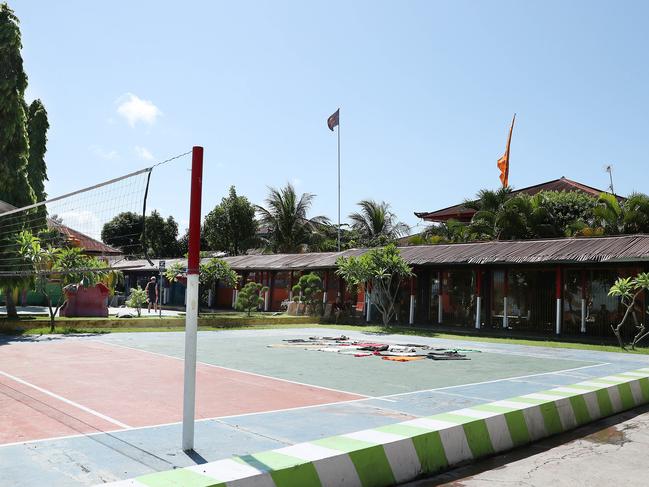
{"points": [[636, 214], [376, 224], [286, 218], [488, 204], [608, 214]]}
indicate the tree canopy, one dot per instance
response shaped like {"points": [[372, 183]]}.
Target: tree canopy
{"points": [[124, 232], [286, 216], [376, 224], [502, 215], [231, 225]]}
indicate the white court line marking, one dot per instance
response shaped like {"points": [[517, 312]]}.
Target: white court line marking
{"points": [[556, 372], [339, 391], [365, 398], [215, 418], [67, 401]]}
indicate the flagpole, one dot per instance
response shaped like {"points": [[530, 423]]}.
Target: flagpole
{"points": [[339, 180]]}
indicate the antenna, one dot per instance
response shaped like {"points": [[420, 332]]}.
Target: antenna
{"points": [[609, 169]]}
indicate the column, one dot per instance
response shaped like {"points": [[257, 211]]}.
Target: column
{"points": [[558, 286], [411, 318], [506, 295], [440, 303], [290, 286], [583, 301], [265, 280], [478, 298], [325, 286], [368, 303]]}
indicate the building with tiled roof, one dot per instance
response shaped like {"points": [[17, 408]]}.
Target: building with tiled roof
{"points": [[463, 214]]}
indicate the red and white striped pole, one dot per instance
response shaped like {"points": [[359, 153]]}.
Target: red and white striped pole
{"points": [[191, 317]]}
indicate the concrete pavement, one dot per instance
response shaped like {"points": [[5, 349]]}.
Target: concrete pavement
{"points": [[609, 452]]}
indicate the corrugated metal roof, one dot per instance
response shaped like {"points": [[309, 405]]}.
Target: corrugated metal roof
{"points": [[626, 248]]}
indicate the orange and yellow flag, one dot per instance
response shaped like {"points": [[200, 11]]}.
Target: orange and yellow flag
{"points": [[503, 162]]}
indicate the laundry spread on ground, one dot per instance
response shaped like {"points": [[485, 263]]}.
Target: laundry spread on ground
{"points": [[401, 352]]}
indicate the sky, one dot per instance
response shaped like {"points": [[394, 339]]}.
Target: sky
{"points": [[426, 89]]}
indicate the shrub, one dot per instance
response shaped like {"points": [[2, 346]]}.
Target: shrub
{"points": [[250, 297], [307, 290], [137, 299]]}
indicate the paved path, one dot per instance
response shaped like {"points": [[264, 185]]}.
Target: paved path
{"points": [[610, 452]]}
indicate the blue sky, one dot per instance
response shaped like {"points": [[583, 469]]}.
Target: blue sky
{"points": [[427, 90]]}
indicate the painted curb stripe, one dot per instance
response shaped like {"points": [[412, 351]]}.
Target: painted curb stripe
{"points": [[380, 457]]}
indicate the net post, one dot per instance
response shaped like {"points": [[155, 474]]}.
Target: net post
{"points": [[191, 317]]}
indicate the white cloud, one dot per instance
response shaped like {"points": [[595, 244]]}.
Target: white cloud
{"points": [[134, 109], [109, 155], [296, 182], [144, 153]]}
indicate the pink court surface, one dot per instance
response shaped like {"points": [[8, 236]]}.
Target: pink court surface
{"points": [[82, 410], [80, 386]]}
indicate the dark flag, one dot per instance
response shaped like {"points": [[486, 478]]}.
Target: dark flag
{"points": [[333, 120]]}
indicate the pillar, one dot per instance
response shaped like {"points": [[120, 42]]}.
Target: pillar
{"points": [[440, 303], [290, 286], [411, 318], [505, 298], [478, 299], [558, 286], [265, 280], [325, 287], [368, 303], [583, 301]]}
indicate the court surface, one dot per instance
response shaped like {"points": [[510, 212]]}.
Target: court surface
{"points": [[90, 409]]}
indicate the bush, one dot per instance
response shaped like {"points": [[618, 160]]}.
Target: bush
{"points": [[137, 299], [250, 297], [307, 290]]}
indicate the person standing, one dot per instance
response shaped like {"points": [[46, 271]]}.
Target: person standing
{"points": [[152, 295]]}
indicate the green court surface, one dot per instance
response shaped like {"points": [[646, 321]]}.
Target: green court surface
{"points": [[369, 376]]}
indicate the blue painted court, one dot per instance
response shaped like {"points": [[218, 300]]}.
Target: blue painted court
{"points": [[94, 409]]}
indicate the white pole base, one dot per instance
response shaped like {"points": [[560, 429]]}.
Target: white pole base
{"points": [[324, 298], [440, 309], [478, 302], [266, 300], [189, 393], [411, 319], [368, 316], [558, 323], [583, 315], [505, 316]]}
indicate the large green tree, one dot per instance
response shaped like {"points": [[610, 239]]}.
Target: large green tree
{"points": [[124, 232], [14, 146], [376, 224], [231, 225], [37, 127], [161, 236], [286, 216]]}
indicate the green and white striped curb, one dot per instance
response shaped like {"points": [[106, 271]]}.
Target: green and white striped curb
{"points": [[404, 451]]}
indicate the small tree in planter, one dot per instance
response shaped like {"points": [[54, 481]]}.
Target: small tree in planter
{"points": [[55, 268], [250, 297], [629, 289], [384, 269], [137, 299], [307, 290]]}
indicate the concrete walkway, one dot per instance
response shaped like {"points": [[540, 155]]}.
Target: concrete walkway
{"points": [[610, 452]]}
